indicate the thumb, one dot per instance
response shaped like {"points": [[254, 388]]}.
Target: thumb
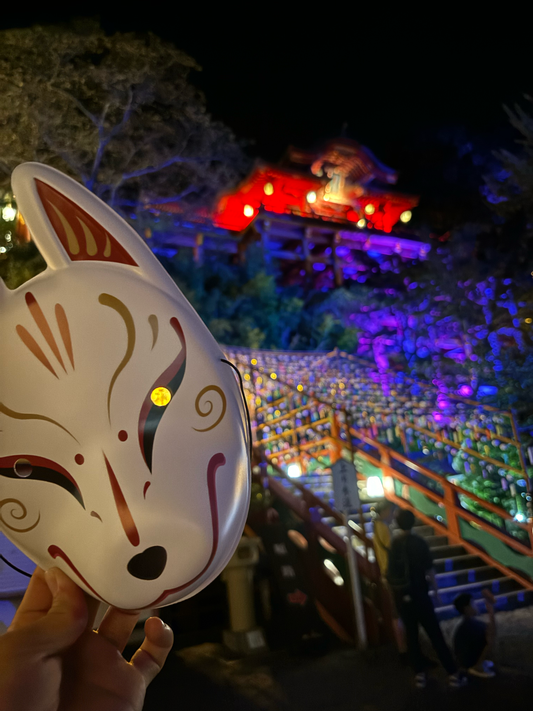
{"points": [[65, 620]]}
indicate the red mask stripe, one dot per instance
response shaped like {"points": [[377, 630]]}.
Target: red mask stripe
{"points": [[126, 519]]}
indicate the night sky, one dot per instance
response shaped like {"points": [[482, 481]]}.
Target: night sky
{"points": [[281, 77]]}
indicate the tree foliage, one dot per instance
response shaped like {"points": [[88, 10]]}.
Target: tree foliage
{"points": [[509, 191], [117, 112]]}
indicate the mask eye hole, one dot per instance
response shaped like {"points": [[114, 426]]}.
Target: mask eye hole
{"points": [[160, 396], [22, 468]]}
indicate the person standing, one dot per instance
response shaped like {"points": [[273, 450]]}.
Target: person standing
{"points": [[383, 517], [410, 567], [381, 522]]}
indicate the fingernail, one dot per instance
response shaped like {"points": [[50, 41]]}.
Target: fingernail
{"points": [[51, 581]]}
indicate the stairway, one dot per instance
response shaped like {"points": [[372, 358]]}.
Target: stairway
{"points": [[458, 571]]}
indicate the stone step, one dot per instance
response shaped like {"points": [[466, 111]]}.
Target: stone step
{"points": [[436, 541], [497, 586], [447, 551], [469, 575], [458, 562], [424, 530], [504, 601]]}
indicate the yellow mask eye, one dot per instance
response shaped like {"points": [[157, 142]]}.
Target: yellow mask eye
{"points": [[160, 396]]}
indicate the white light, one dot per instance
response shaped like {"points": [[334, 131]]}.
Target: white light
{"points": [[374, 487], [2, 250], [294, 471], [268, 189], [406, 216], [519, 517], [370, 209], [248, 211], [333, 572], [9, 213], [361, 223], [311, 196]]}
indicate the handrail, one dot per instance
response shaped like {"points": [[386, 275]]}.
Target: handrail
{"points": [[295, 503], [397, 455], [459, 511], [342, 435], [421, 469]]}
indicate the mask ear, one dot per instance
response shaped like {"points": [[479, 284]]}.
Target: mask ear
{"points": [[70, 224]]}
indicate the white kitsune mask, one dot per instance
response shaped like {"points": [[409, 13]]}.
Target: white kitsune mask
{"points": [[123, 440]]}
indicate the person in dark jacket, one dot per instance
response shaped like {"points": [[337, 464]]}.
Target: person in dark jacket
{"points": [[473, 640], [410, 567]]}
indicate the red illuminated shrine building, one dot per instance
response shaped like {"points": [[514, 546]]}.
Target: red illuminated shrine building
{"points": [[332, 212]]}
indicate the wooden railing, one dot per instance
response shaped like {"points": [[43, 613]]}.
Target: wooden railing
{"points": [[345, 440]]}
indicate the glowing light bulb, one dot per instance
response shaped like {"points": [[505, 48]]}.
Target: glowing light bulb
{"points": [[273, 376], [300, 387], [253, 361], [248, 211], [269, 189], [528, 320], [160, 396], [9, 213], [406, 215], [259, 380], [361, 223], [370, 209], [247, 376], [294, 471], [311, 196], [374, 487]]}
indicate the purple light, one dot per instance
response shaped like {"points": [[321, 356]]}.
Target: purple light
{"points": [[342, 251], [319, 266], [302, 272], [465, 391]]}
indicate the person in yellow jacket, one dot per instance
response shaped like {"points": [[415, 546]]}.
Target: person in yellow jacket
{"points": [[383, 516]]}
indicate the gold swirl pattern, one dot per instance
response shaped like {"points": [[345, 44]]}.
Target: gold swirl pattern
{"points": [[18, 515], [206, 413]]}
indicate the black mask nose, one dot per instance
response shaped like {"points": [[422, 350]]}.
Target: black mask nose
{"points": [[149, 564]]}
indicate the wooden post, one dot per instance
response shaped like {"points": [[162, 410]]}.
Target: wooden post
{"points": [[451, 515]]}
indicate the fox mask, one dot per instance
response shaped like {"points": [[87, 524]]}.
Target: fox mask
{"points": [[123, 442]]}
